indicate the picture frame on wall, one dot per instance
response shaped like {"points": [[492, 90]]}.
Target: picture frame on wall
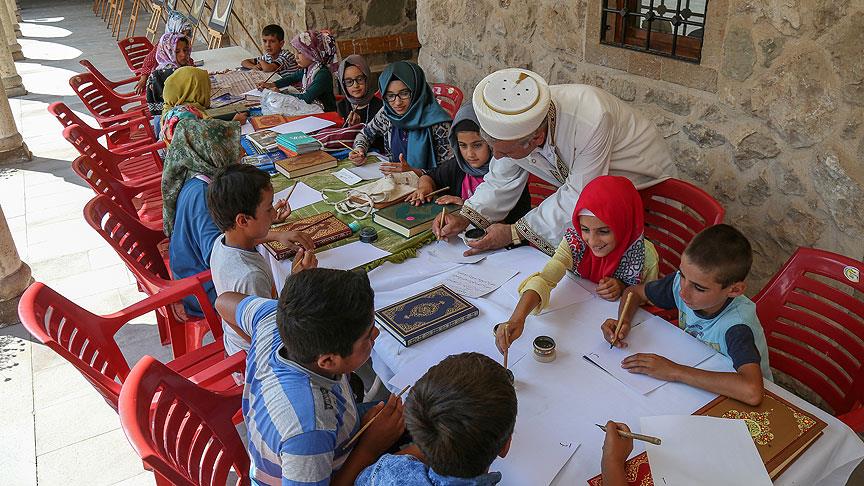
{"points": [[195, 10], [221, 15]]}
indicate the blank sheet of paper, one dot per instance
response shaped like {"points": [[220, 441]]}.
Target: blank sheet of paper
{"points": [[652, 336], [538, 451], [453, 250], [302, 196], [368, 171], [478, 280], [565, 294], [707, 451], [350, 256], [306, 125]]}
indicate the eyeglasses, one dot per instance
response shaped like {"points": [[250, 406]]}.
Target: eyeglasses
{"points": [[349, 82], [405, 94]]}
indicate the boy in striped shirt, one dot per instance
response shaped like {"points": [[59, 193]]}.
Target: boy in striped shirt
{"points": [[297, 402]]}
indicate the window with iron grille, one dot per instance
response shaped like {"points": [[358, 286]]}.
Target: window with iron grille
{"points": [[671, 28]]}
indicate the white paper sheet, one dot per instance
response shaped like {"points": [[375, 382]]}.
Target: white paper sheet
{"points": [[538, 451], [346, 176], [652, 336], [462, 338], [350, 256], [259, 93], [453, 250], [707, 451], [565, 294], [478, 280], [380, 157], [306, 125], [246, 128], [302, 196], [369, 171]]}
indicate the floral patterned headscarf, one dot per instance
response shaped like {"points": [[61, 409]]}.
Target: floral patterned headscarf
{"points": [[165, 51], [320, 47]]}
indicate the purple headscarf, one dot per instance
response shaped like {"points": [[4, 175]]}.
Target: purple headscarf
{"points": [[165, 56], [318, 46]]}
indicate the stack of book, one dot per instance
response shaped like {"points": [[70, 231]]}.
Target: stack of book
{"points": [[263, 141], [297, 143]]}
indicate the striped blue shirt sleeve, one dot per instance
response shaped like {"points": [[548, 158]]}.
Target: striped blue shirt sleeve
{"points": [[307, 458], [251, 310]]}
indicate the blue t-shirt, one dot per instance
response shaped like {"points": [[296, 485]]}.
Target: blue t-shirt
{"points": [[297, 421], [734, 330], [409, 471], [192, 239]]}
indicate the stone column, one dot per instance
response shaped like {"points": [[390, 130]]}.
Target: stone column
{"points": [[12, 146], [11, 79], [13, 7], [7, 16], [14, 275]]}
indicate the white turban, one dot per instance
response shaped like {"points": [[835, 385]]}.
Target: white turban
{"points": [[511, 103]]}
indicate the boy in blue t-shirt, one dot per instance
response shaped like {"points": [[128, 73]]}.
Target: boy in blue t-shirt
{"points": [[461, 416], [297, 402], [708, 291]]}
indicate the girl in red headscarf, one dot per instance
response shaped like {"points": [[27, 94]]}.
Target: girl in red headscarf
{"points": [[605, 245]]}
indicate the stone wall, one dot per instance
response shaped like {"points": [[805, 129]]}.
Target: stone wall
{"points": [[771, 122]]}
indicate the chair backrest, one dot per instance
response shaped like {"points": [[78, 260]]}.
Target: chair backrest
{"points": [[100, 100], [449, 97], [103, 183], [135, 50], [814, 325], [101, 78], [83, 339], [184, 432], [136, 244], [67, 117], [675, 211], [88, 145]]}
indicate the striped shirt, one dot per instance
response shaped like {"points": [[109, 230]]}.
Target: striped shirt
{"points": [[297, 421], [286, 60]]}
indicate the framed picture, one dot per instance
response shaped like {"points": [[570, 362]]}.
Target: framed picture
{"points": [[221, 15], [195, 9]]}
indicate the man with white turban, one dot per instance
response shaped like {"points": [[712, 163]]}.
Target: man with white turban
{"points": [[565, 135]]}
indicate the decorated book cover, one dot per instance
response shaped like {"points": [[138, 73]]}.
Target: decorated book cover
{"points": [[426, 314], [323, 228], [409, 220]]}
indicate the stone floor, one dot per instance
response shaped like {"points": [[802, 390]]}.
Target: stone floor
{"points": [[57, 430]]}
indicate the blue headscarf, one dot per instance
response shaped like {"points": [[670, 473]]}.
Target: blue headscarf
{"points": [[423, 112]]}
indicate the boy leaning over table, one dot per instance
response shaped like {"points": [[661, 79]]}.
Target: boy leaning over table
{"points": [[708, 291], [297, 401]]}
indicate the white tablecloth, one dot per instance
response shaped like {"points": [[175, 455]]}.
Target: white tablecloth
{"points": [[222, 58], [585, 392]]}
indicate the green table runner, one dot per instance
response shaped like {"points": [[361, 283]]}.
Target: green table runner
{"points": [[400, 247]]}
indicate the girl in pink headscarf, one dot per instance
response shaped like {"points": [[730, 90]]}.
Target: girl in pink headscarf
{"points": [[316, 54]]}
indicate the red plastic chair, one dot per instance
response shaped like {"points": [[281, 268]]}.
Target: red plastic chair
{"points": [[674, 212], [139, 248], [86, 340], [449, 97], [113, 85], [135, 50], [139, 161], [104, 103], [182, 431], [141, 200], [814, 326], [125, 133]]}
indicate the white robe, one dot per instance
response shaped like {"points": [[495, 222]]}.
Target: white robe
{"points": [[594, 134]]}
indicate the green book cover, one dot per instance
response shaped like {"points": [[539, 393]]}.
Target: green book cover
{"points": [[409, 216]]}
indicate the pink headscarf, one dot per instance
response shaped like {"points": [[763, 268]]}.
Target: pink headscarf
{"points": [[165, 51], [318, 46]]}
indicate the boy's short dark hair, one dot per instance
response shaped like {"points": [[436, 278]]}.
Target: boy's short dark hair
{"points": [[274, 30], [461, 414], [236, 189], [723, 250], [322, 310]]}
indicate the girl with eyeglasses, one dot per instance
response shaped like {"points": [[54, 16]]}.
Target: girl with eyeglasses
{"points": [[412, 123], [360, 103]]}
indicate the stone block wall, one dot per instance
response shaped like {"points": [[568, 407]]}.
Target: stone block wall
{"points": [[771, 122]]}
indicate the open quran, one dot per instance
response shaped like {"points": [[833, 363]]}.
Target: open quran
{"points": [[237, 82]]}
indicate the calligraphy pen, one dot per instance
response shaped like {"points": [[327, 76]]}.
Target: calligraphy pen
{"points": [[624, 311], [630, 435], [506, 343], [346, 146], [363, 429]]}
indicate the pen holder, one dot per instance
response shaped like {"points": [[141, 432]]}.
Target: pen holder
{"points": [[544, 349]]}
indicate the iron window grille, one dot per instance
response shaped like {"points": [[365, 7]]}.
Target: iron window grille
{"points": [[653, 26]]}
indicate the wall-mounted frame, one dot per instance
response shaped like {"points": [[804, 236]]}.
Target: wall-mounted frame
{"points": [[221, 15]]}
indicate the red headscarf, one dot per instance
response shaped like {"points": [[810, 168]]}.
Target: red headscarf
{"points": [[613, 200]]}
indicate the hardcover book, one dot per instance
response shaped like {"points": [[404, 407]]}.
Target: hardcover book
{"points": [[323, 228], [781, 431], [266, 121], [409, 220], [426, 314], [306, 164], [264, 141]]}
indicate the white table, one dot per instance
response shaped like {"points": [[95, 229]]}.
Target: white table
{"points": [[222, 58], [590, 394]]}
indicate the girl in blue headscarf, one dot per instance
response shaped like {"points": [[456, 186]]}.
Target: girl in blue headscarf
{"points": [[412, 123]]}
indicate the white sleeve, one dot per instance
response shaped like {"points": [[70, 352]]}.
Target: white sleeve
{"points": [[499, 192]]}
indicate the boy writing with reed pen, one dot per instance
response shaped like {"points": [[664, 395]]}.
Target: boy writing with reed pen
{"points": [[708, 292]]}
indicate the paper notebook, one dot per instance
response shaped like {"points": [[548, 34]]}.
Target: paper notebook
{"points": [[423, 315], [323, 228], [652, 336]]}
